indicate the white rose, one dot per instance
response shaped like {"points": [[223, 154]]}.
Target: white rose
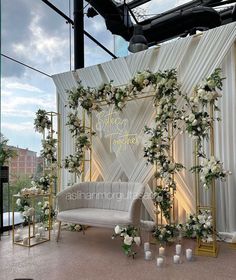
{"points": [[128, 240], [46, 212], [194, 122], [159, 198], [215, 169], [191, 117], [171, 166], [118, 229], [211, 83], [78, 227], [119, 104], [208, 223], [39, 203], [18, 202], [26, 213], [31, 211], [137, 240]]}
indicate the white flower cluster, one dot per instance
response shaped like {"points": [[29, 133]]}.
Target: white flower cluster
{"points": [[30, 191], [26, 211], [198, 124], [204, 94], [210, 170], [42, 121], [73, 163], [128, 239], [143, 78], [49, 149], [45, 208], [200, 225]]}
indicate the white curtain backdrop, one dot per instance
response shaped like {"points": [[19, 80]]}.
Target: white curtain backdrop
{"points": [[194, 58]]}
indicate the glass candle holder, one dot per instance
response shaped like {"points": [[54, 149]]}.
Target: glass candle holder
{"points": [[189, 254], [160, 261], [148, 255]]}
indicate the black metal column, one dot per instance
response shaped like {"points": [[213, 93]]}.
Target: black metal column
{"points": [[78, 34]]}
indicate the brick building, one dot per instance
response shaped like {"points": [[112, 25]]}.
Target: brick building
{"points": [[24, 164]]}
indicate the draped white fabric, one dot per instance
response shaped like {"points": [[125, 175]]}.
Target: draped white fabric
{"points": [[194, 58]]}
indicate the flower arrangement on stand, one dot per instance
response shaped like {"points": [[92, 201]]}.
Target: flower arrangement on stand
{"points": [[210, 170], [200, 125], [158, 149], [24, 208], [130, 238], [200, 225], [42, 121]]}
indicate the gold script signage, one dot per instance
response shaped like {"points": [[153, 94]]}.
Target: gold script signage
{"points": [[112, 126]]}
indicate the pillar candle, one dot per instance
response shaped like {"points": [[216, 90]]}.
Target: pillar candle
{"points": [[178, 249], [25, 240], [36, 229], [146, 246], [189, 254], [37, 236], [161, 251], [176, 258], [41, 231], [17, 237], [148, 255], [160, 262]]}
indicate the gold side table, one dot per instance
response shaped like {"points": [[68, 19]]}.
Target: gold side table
{"points": [[34, 235]]}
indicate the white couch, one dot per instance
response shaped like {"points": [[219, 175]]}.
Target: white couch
{"points": [[100, 204]]}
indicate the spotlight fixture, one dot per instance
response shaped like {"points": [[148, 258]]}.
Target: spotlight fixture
{"points": [[138, 42]]}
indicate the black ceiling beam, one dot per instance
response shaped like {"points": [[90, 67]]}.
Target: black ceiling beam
{"points": [[220, 3], [136, 3], [70, 21]]}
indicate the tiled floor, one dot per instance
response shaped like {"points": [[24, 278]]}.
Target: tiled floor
{"points": [[96, 256]]}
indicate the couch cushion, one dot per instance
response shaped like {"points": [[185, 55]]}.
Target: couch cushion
{"points": [[95, 217]]}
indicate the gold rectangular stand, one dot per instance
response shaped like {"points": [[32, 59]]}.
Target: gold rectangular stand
{"points": [[30, 229], [207, 250]]}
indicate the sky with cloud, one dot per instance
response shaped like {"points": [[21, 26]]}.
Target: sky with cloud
{"points": [[33, 33]]}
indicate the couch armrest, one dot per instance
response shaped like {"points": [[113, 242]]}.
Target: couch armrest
{"points": [[135, 207], [69, 199]]}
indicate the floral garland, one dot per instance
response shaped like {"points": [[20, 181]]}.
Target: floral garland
{"points": [[198, 124], [42, 121], [162, 198], [74, 162], [130, 236], [49, 149], [157, 149]]}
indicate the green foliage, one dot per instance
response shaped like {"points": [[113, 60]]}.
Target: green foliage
{"points": [[6, 152], [162, 198]]}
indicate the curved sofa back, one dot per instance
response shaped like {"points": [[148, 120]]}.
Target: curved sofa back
{"points": [[102, 195]]}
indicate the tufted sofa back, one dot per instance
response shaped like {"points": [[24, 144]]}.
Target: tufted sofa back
{"points": [[102, 195]]}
